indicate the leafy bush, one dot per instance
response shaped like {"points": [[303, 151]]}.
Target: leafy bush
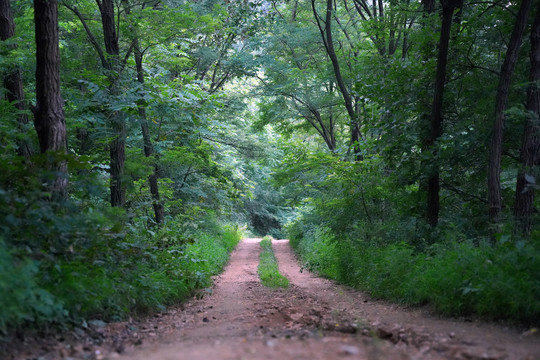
{"points": [[85, 264], [23, 300], [268, 267], [497, 282], [141, 277]]}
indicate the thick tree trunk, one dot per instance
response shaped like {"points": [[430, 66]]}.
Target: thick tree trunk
{"points": [[49, 119], [530, 147], [159, 210], [501, 103], [436, 119], [13, 79]]}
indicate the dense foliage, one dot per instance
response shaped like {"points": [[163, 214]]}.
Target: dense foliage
{"points": [[153, 167], [393, 197]]}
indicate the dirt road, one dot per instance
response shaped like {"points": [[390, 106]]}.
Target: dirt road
{"points": [[313, 319], [316, 319]]}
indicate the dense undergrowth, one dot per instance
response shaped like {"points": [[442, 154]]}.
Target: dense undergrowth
{"points": [[61, 264], [125, 278], [268, 267], [457, 278]]}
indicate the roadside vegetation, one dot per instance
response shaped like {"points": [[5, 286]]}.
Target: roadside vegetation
{"points": [[268, 267], [122, 197], [456, 278], [111, 275], [410, 150]]}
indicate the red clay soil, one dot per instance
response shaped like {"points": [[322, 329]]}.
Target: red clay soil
{"points": [[313, 319]]}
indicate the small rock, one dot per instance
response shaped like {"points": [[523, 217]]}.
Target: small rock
{"points": [[270, 343], [205, 319], [349, 350], [385, 332], [80, 332], [97, 323], [531, 332]]}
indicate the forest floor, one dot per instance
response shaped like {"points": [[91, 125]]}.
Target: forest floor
{"points": [[313, 319]]}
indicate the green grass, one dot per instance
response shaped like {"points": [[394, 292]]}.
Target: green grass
{"points": [[268, 268], [456, 278]]}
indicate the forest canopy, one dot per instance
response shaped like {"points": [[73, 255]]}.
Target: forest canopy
{"points": [[395, 142]]}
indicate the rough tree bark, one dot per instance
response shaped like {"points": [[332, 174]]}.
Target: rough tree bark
{"points": [[159, 210], [49, 119], [436, 118], [106, 8], [13, 79], [501, 103], [530, 147]]}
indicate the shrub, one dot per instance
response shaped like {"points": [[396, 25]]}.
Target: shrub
{"points": [[23, 300]]}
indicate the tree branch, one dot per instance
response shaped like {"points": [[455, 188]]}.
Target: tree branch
{"points": [[454, 189], [90, 35]]}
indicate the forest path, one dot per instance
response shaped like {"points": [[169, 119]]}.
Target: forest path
{"points": [[316, 319], [313, 319]]}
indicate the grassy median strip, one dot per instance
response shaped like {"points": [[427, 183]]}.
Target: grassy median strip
{"points": [[268, 268]]}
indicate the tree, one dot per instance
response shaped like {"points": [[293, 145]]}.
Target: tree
{"points": [[351, 101], [501, 104], [118, 144], [49, 119], [13, 82], [110, 60], [530, 147], [436, 118], [159, 210], [300, 89]]}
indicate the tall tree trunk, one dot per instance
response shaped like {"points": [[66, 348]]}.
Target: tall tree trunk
{"points": [[436, 119], [117, 151], [118, 145], [501, 103], [106, 8], [49, 119], [327, 38], [530, 147], [159, 210], [111, 63], [429, 6], [13, 79]]}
